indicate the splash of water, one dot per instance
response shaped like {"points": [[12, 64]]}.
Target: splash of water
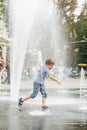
{"points": [[83, 91], [35, 26], [40, 59]]}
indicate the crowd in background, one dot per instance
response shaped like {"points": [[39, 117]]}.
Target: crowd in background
{"points": [[57, 71], [60, 72]]}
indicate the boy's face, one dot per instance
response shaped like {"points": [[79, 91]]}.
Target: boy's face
{"points": [[50, 66]]}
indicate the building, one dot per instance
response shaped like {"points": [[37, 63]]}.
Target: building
{"points": [[4, 41]]}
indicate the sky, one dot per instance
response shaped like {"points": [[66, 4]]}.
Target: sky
{"points": [[79, 6]]}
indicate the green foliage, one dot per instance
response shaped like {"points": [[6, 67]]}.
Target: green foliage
{"points": [[74, 30], [81, 28], [1, 9], [4, 12], [81, 34], [82, 53], [67, 8]]}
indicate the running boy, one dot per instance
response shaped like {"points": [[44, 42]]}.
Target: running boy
{"points": [[38, 85]]}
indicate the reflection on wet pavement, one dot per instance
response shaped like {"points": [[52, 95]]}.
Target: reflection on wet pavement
{"points": [[59, 116]]}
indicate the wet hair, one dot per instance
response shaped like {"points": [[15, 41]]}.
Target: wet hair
{"points": [[49, 62]]}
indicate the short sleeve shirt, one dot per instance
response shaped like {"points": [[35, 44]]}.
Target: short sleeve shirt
{"points": [[42, 74]]}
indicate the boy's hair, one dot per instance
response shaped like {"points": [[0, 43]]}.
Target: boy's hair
{"points": [[49, 62]]}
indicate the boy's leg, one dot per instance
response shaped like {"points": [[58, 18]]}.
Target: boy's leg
{"points": [[36, 89], [21, 100], [44, 96], [26, 98], [43, 101], [44, 107]]}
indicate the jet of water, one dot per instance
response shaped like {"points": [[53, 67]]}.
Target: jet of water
{"points": [[34, 23], [83, 91], [22, 17]]}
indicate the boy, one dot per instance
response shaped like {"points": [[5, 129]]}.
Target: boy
{"points": [[38, 85]]}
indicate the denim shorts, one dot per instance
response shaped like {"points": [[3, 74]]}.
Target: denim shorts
{"points": [[38, 88]]}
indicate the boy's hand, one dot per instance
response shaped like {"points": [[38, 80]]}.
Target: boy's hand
{"points": [[53, 78], [58, 82]]}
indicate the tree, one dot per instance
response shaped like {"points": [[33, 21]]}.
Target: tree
{"points": [[81, 25], [67, 8], [81, 34], [82, 52], [4, 12], [1, 9]]}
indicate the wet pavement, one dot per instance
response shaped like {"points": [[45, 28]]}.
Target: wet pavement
{"points": [[64, 112]]}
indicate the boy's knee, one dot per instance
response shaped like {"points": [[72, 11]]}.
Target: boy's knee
{"points": [[33, 96], [44, 95]]}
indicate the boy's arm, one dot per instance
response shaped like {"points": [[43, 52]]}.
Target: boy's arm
{"points": [[55, 79]]}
